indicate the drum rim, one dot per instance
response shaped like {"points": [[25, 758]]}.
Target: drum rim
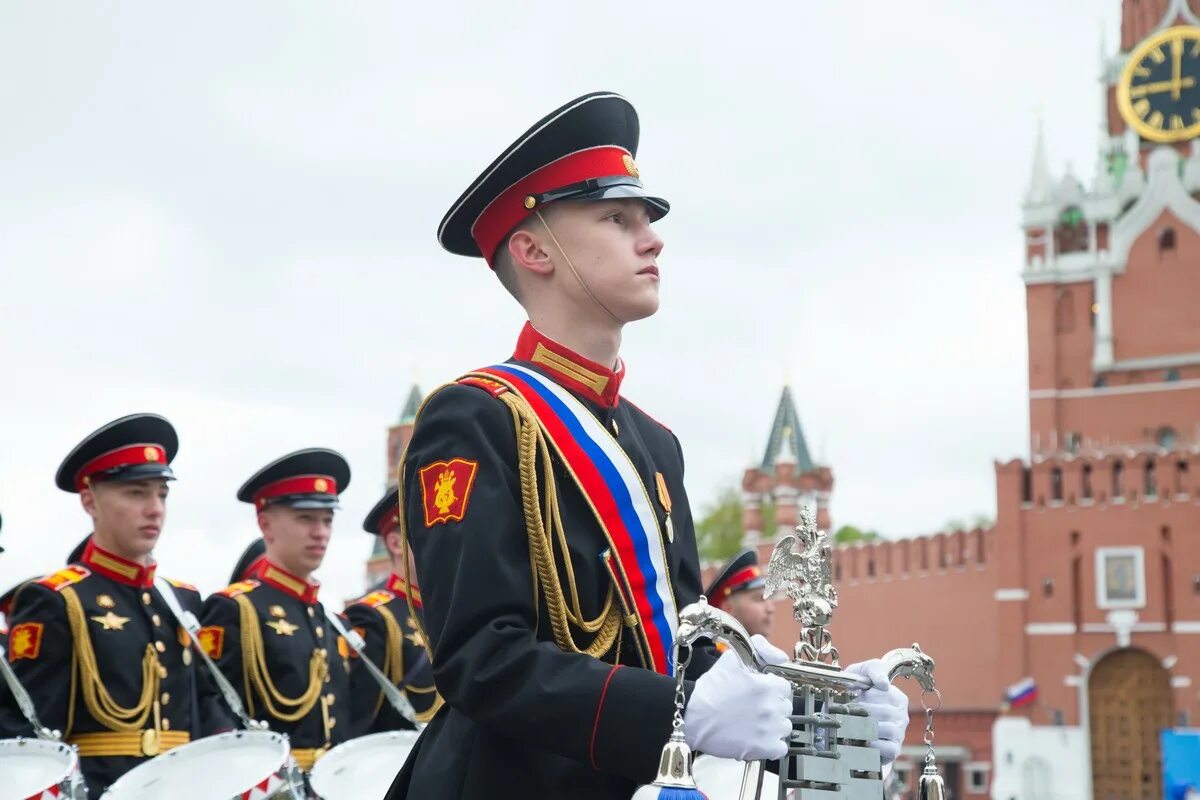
{"points": [[72, 754], [280, 771], [317, 772]]}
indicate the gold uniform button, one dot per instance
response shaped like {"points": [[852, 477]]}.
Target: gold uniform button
{"points": [[187, 658], [162, 671], [166, 724], [332, 723], [311, 613], [320, 632], [160, 647], [329, 698], [156, 619], [146, 598], [166, 698]]}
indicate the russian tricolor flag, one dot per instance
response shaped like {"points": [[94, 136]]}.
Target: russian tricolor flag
{"points": [[1021, 693]]}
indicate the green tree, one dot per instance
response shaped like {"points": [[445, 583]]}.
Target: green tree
{"points": [[719, 531], [848, 534]]}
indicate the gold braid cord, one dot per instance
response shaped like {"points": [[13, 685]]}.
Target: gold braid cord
{"points": [[393, 666], [254, 669], [100, 704], [542, 508]]}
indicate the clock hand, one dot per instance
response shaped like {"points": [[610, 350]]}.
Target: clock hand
{"points": [[1172, 86], [1177, 74]]}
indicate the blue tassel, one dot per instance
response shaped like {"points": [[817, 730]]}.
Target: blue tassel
{"points": [[652, 792]]}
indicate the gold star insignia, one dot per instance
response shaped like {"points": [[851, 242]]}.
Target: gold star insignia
{"points": [[111, 621], [283, 628]]}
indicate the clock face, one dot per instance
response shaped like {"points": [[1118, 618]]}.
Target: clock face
{"points": [[1159, 90]]}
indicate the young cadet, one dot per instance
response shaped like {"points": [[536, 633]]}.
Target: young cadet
{"points": [[737, 588], [95, 645], [547, 514], [268, 633], [391, 635]]}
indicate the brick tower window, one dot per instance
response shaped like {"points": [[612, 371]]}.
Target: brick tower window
{"points": [[1118, 473], [1151, 479], [1087, 481], [1166, 240], [1071, 233], [1166, 438], [1056, 484]]}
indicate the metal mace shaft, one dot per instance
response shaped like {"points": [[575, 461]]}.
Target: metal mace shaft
{"points": [[24, 701]]}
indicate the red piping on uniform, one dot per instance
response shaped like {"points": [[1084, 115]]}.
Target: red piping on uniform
{"points": [[596, 724]]}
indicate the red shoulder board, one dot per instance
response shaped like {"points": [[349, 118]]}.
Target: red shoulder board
{"points": [[377, 598], [65, 577], [494, 388], [182, 585], [241, 587]]}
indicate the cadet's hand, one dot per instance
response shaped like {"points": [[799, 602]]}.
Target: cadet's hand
{"points": [[767, 651], [736, 713], [887, 705]]}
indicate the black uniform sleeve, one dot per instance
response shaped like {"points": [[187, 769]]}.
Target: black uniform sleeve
{"points": [[480, 616], [364, 691], [220, 616], [208, 703], [39, 651]]}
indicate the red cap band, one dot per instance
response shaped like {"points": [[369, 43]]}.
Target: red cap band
{"points": [[129, 456], [746, 575], [297, 484], [509, 208]]}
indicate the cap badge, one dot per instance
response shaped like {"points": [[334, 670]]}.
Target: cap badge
{"points": [[321, 485], [630, 165], [150, 453]]}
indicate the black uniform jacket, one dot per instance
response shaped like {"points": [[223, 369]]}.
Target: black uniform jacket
{"points": [[295, 673], [523, 718], [103, 620], [394, 643]]}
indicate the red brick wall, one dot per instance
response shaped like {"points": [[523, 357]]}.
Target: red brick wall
{"points": [[1155, 302]]}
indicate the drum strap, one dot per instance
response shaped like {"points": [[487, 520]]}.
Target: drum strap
{"points": [[394, 696], [192, 625]]}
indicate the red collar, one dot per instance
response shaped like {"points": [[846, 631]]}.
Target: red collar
{"points": [[397, 586], [582, 376], [118, 569], [284, 581]]}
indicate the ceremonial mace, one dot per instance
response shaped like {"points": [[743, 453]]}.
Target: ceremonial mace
{"points": [[827, 750]]}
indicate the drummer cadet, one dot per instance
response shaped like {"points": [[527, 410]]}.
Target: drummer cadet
{"points": [[391, 634], [95, 644], [737, 588], [268, 633], [547, 514]]}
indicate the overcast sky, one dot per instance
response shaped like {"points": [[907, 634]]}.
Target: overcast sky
{"points": [[226, 213]]}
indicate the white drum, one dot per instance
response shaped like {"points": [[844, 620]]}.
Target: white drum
{"points": [[246, 765], [362, 768], [721, 779], [37, 769]]}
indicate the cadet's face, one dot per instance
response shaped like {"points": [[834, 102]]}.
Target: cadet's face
{"points": [[614, 249], [128, 515], [752, 611], [296, 537]]}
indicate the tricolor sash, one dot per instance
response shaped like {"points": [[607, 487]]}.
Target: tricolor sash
{"points": [[605, 475]]}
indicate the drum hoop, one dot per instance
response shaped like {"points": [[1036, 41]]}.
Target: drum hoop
{"points": [[62, 747], [280, 770]]}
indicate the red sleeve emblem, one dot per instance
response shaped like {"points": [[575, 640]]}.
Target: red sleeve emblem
{"points": [[446, 488], [212, 639], [25, 641]]}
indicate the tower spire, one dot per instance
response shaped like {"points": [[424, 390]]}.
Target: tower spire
{"points": [[1041, 185]]}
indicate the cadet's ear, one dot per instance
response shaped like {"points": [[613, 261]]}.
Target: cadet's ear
{"points": [[88, 501], [526, 251], [264, 525]]}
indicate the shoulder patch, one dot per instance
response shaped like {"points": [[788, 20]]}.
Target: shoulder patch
{"points": [[446, 488], [376, 599], [25, 641], [182, 585], [494, 388], [239, 588], [212, 639], [65, 577]]}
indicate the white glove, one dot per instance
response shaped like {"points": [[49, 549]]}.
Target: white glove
{"points": [[736, 713], [886, 704], [767, 651]]}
